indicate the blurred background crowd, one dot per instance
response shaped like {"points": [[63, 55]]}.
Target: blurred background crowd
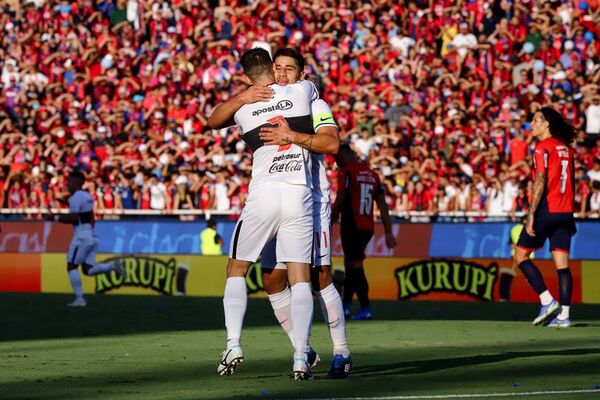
{"points": [[436, 95]]}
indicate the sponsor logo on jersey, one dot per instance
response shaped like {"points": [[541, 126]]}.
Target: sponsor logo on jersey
{"points": [[145, 272], [287, 163], [281, 106], [449, 276]]}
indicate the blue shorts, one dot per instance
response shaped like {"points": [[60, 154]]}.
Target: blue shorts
{"points": [[557, 227]]}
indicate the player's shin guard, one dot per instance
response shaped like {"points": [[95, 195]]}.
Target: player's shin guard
{"points": [[565, 289], [281, 303], [234, 305], [301, 312], [533, 276], [75, 280], [333, 313]]}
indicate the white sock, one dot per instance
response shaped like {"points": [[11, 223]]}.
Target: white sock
{"points": [[234, 305], [301, 312], [546, 298], [281, 303], [333, 313], [564, 312], [75, 279], [100, 269]]}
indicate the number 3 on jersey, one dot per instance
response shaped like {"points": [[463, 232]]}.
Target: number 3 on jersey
{"points": [[280, 120], [366, 199], [564, 165]]}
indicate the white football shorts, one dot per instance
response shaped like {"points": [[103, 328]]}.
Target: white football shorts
{"points": [[321, 240], [277, 209], [83, 247]]}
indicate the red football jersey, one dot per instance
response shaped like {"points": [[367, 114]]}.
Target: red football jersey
{"points": [[553, 157], [361, 185]]}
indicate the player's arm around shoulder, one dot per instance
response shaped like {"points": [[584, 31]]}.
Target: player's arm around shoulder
{"points": [[222, 115]]}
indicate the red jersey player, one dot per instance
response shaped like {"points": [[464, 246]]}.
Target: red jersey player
{"points": [[358, 187], [551, 213]]}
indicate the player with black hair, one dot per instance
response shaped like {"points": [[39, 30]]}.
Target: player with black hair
{"points": [[551, 214]]}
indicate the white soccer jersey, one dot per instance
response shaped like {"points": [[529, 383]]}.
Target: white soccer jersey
{"points": [[321, 116], [280, 197], [81, 203], [290, 163], [82, 249]]}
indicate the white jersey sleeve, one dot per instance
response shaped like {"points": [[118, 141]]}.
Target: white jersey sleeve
{"points": [[321, 114], [309, 88]]}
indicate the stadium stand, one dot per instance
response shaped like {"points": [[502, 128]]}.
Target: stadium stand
{"points": [[436, 95]]}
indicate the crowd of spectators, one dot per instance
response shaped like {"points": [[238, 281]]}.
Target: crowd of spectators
{"points": [[437, 95]]}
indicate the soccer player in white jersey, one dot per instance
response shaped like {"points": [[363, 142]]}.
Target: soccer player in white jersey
{"points": [[279, 202], [82, 250], [289, 68]]}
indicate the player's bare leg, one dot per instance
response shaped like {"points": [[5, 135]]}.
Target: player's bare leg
{"points": [[301, 314], [333, 312], [549, 306], [235, 301], [102, 268], [565, 289]]}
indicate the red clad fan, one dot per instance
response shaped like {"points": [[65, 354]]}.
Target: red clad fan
{"points": [[358, 187], [551, 214]]}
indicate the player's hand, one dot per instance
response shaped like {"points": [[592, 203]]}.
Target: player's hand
{"points": [[255, 94], [390, 240], [529, 226], [279, 135]]}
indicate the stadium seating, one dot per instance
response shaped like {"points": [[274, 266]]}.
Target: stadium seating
{"points": [[437, 99]]}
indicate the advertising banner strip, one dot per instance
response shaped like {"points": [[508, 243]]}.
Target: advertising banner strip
{"points": [[464, 240], [390, 278]]}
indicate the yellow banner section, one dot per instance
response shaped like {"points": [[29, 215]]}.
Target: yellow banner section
{"points": [[150, 274], [590, 282], [389, 278]]}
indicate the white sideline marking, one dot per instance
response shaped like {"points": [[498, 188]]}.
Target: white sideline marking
{"points": [[468, 396]]}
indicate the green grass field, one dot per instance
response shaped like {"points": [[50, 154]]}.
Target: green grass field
{"points": [[135, 347]]}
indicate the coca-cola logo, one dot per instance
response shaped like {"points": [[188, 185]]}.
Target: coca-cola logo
{"points": [[290, 166], [286, 163]]}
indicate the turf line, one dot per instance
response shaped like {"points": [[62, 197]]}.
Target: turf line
{"points": [[469, 396]]}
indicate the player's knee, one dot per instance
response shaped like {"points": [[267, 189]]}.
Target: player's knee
{"points": [[272, 284], [237, 268], [325, 277], [85, 268], [520, 256]]}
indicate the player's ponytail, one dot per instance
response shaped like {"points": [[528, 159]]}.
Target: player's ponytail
{"points": [[559, 127]]}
